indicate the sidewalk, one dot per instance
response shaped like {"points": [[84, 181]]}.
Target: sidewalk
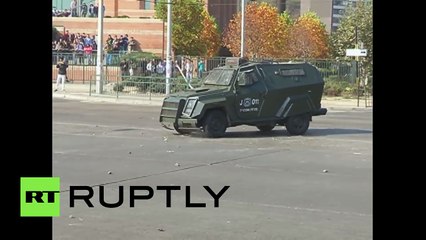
{"points": [[340, 103], [77, 91]]}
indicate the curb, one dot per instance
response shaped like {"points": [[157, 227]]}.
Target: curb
{"points": [[109, 99], [330, 104]]}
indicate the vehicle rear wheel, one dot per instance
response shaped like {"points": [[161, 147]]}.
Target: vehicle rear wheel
{"points": [[298, 125], [184, 132], [266, 128], [214, 124]]}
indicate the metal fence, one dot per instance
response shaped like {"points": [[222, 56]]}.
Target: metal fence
{"points": [[83, 67], [151, 86], [81, 59], [329, 68]]}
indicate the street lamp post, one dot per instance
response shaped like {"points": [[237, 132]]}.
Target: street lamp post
{"points": [[162, 49], [242, 27], [99, 59], [169, 46]]}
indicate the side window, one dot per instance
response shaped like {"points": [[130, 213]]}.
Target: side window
{"points": [[291, 72], [247, 78], [253, 78], [295, 74]]}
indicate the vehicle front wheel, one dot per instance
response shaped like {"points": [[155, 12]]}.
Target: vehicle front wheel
{"points": [[298, 125], [215, 124]]}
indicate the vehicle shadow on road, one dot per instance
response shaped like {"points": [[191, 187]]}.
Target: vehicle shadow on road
{"points": [[336, 131], [284, 133]]}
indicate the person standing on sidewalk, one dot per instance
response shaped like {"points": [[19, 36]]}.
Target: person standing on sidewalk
{"points": [[62, 73], [200, 69], [189, 67]]}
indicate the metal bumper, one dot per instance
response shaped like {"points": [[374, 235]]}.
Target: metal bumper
{"points": [[318, 112], [187, 123], [181, 123], [171, 113]]}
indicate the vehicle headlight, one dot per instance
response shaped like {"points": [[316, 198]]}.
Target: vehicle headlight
{"points": [[190, 104]]}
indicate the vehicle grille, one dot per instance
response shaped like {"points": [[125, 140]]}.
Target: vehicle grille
{"points": [[168, 112], [170, 108], [170, 104]]}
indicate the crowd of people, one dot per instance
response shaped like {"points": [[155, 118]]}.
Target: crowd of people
{"points": [[83, 10], [81, 47], [120, 45], [157, 67]]}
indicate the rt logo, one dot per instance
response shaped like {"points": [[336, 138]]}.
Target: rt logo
{"points": [[40, 197]]}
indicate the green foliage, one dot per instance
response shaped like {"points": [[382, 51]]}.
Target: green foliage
{"points": [[179, 84], [286, 18], [141, 83], [358, 19], [136, 56], [118, 87], [335, 86], [187, 25], [335, 71], [155, 84]]}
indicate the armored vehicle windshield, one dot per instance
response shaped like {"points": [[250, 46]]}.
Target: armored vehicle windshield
{"points": [[220, 77]]}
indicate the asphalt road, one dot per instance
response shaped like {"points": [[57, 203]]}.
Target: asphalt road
{"points": [[278, 186]]}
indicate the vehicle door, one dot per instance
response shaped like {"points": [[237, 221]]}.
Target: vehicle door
{"points": [[250, 94]]}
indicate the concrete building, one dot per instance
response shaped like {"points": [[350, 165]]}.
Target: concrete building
{"points": [[115, 8], [329, 11], [141, 24], [224, 10]]}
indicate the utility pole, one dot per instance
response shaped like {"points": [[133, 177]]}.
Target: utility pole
{"points": [[169, 46], [162, 49], [99, 65], [242, 26], [357, 67]]}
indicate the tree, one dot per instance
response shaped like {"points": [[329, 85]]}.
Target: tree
{"points": [[264, 32], [210, 35], [286, 22], [308, 37], [189, 26], [356, 23]]}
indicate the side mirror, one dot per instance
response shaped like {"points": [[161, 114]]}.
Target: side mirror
{"points": [[235, 88]]}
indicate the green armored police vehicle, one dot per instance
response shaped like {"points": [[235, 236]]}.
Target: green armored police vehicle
{"points": [[261, 94]]}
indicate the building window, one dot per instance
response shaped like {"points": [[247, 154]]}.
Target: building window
{"points": [[338, 2], [149, 3], [338, 11]]}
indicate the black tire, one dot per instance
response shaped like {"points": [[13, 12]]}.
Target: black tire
{"points": [[183, 132], [215, 124], [266, 128], [298, 125]]}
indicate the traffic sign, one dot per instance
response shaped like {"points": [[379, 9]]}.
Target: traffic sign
{"points": [[356, 52]]}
